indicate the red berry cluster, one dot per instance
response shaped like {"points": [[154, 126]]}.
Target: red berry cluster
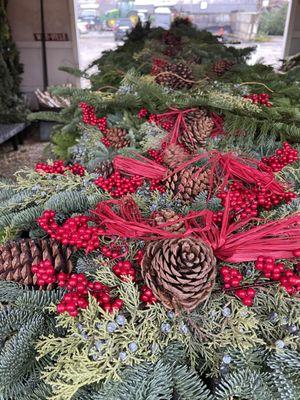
{"points": [[260, 98], [76, 169], [283, 156], [102, 124], [77, 297], [58, 168], [147, 295], [118, 185], [156, 155], [166, 122], [157, 66], [246, 295], [155, 184], [143, 113], [106, 142], [75, 231], [44, 272], [112, 251], [88, 114], [277, 272], [89, 117], [139, 256], [246, 202], [232, 278], [125, 270]]}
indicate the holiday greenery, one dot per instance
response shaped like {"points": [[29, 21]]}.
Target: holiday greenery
{"points": [[12, 108], [161, 260], [181, 58]]}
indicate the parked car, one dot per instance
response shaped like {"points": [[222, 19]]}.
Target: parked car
{"points": [[122, 27], [82, 27]]}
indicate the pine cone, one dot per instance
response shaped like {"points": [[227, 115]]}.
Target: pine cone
{"points": [[197, 131], [104, 169], [221, 66], [16, 259], [117, 138], [188, 183], [194, 115], [180, 272], [176, 76], [164, 216], [174, 155]]}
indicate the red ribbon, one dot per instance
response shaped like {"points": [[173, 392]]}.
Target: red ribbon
{"points": [[179, 115], [277, 239]]}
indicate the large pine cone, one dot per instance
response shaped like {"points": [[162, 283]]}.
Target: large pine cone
{"points": [[221, 66], [104, 169], [176, 76], [16, 259], [117, 138], [188, 183], [198, 129], [180, 272], [164, 216], [174, 155]]}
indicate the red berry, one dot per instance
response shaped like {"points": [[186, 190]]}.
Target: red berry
{"points": [[248, 301]]}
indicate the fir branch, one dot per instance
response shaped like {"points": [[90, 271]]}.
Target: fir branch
{"points": [[188, 385]]}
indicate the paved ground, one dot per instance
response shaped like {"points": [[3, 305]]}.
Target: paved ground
{"points": [[92, 44], [267, 52]]}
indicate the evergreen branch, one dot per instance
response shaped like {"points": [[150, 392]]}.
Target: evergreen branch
{"points": [[257, 83]]}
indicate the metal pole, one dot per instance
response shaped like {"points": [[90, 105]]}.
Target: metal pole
{"points": [[44, 52]]}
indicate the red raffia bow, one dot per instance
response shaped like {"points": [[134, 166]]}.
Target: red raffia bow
{"points": [[223, 166], [231, 242], [277, 239]]}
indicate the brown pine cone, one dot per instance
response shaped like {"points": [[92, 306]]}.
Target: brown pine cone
{"points": [[117, 137], [194, 115], [17, 257], [180, 272], [104, 169], [188, 183], [196, 132], [176, 76], [221, 66], [164, 216], [174, 155]]}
